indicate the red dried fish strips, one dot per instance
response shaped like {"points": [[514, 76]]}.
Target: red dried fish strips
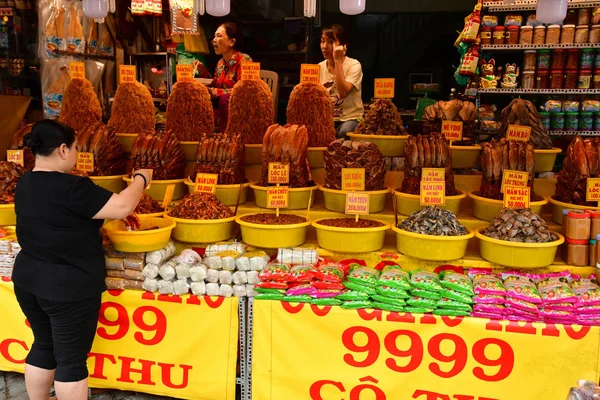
{"points": [[80, 106], [133, 109], [288, 145], [223, 155], [201, 206], [189, 111], [109, 157], [251, 111], [310, 105], [159, 151]]}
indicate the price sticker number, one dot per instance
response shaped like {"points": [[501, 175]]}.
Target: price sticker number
{"points": [[185, 72], [353, 179], [77, 70], [514, 178], [452, 130], [127, 74], [517, 132], [433, 194], [16, 156], [385, 88], [206, 183], [516, 197], [115, 322], [85, 161], [250, 71], [592, 189], [277, 197], [310, 73], [279, 173], [433, 175], [357, 203]]}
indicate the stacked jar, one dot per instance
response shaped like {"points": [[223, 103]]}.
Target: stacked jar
{"points": [[570, 115], [577, 226], [529, 66]]}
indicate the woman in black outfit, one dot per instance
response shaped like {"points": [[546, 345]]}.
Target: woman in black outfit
{"points": [[59, 274]]}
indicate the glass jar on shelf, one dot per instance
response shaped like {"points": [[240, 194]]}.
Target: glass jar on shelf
{"points": [[539, 34], [567, 34], [498, 35], [526, 36], [529, 60], [582, 34], [553, 34]]}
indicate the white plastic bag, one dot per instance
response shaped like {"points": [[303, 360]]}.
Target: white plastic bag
{"points": [[212, 289], [180, 287], [198, 288], [240, 278], [150, 271], [225, 277], [198, 273], [225, 291], [252, 277], [212, 276], [150, 285], [239, 290], [165, 287], [158, 257]]}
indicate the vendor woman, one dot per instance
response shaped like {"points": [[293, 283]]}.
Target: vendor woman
{"points": [[228, 43], [342, 76]]}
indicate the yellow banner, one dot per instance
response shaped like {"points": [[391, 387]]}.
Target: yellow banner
{"points": [[302, 351], [184, 347]]}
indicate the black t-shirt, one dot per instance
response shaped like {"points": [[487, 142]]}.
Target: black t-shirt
{"points": [[62, 257]]}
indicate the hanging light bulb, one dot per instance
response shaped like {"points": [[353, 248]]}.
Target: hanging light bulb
{"points": [[200, 7], [218, 8], [551, 11], [95, 8], [353, 7]]}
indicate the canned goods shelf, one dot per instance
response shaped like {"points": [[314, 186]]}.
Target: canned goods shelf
{"points": [[568, 133], [525, 5], [538, 91], [521, 47]]}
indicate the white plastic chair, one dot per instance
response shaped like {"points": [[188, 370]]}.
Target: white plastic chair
{"points": [[272, 79]]}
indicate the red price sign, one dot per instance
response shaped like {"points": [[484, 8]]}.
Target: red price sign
{"points": [[207, 183], [185, 72], [16, 156], [310, 73], [452, 130], [518, 132], [127, 73], [353, 179], [250, 71]]}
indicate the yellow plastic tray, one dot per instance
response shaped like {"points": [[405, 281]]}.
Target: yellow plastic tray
{"points": [[113, 183], [7, 214], [350, 240], [272, 236], [189, 149], [559, 206], [390, 146], [407, 204], [126, 140], [431, 248], [153, 215], [487, 209], [253, 154], [227, 194], [158, 188], [202, 231], [298, 197], [545, 159], [140, 241], [335, 200], [315, 157], [465, 156], [518, 255]]}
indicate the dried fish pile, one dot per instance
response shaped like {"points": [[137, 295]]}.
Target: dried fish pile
{"points": [[109, 157], [148, 205], [222, 155], [288, 145], [201, 206], [251, 111], [133, 109], [159, 151], [346, 154], [9, 176], [17, 144], [189, 111], [453, 110], [581, 162], [383, 118], [272, 219], [497, 156], [522, 226], [310, 105], [80, 106], [523, 112], [430, 151], [433, 221], [350, 223]]}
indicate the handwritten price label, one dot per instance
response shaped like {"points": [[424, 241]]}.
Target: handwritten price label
{"points": [[279, 173], [433, 193], [77, 70], [85, 161], [516, 197], [16, 156], [385, 88], [433, 175], [514, 178], [357, 203], [518, 132], [452, 130], [277, 197], [206, 183], [127, 74], [310, 73], [353, 179], [250, 71], [592, 192], [185, 72]]}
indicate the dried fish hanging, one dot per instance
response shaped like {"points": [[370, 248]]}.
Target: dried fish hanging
{"points": [[55, 79], [53, 33], [75, 37], [184, 17]]}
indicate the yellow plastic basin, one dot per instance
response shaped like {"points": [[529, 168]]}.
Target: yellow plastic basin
{"points": [[465, 156], [335, 200], [298, 197], [158, 188], [7, 214], [350, 240], [518, 255], [559, 206], [227, 194], [113, 183], [431, 248], [545, 159], [126, 140], [140, 241], [315, 157], [189, 149], [272, 236], [487, 209], [390, 146], [202, 231], [406, 204], [253, 154]]}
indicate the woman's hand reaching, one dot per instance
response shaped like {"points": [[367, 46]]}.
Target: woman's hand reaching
{"points": [[339, 53]]}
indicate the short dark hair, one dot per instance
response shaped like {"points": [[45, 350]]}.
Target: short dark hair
{"points": [[234, 32], [47, 135], [336, 32]]}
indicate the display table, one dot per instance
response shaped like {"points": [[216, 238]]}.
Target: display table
{"points": [[302, 351], [184, 347]]}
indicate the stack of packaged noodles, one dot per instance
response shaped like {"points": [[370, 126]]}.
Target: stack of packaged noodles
{"points": [[9, 249], [490, 294]]}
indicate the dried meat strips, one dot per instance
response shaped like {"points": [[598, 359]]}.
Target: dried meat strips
{"points": [[160, 152], [222, 155], [581, 162], [251, 111], [109, 157], [382, 118], [453, 110], [523, 112], [310, 105], [9, 176], [346, 154], [189, 111], [201, 206]]}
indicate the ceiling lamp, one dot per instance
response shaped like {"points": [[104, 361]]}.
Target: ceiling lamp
{"points": [[200, 6], [218, 8], [95, 8], [310, 8], [353, 7], [551, 11]]}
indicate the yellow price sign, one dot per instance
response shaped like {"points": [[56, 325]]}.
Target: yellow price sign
{"points": [[385, 88], [127, 73], [433, 175], [207, 183], [518, 132], [85, 161], [452, 130], [514, 178], [353, 179], [277, 197], [250, 71], [592, 192], [357, 203], [16, 156], [310, 73], [516, 197], [77, 70], [278, 173], [433, 193], [184, 72]]}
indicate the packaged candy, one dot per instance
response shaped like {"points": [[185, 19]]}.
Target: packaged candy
{"points": [[490, 308], [590, 106], [522, 290], [418, 310], [555, 290], [555, 314], [392, 292], [522, 305], [300, 290], [275, 272], [521, 313], [425, 280], [426, 294], [581, 286], [458, 282], [330, 273], [198, 288], [589, 298], [352, 295], [212, 276], [326, 302], [457, 296], [325, 293], [386, 307], [560, 306], [395, 277], [267, 290], [490, 20], [389, 300], [421, 302], [327, 285], [271, 285], [198, 273], [360, 288], [364, 276], [450, 312], [511, 317], [589, 310], [513, 20], [302, 273], [479, 314], [302, 298], [269, 296], [489, 299], [484, 282], [448, 303], [352, 305]]}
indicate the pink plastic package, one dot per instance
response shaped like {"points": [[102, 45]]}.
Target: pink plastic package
{"points": [[589, 298], [521, 305], [489, 299], [300, 290], [556, 314], [519, 317], [479, 314], [325, 293], [489, 308], [560, 307], [556, 290], [581, 285], [487, 283], [522, 289], [523, 314], [589, 310]]}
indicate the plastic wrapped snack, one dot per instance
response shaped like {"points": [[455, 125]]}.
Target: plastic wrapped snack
{"points": [[252, 277], [394, 276], [450, 312], [189, 256], [150, 271], [198, 273], [275, 272], [426, 280], [458, 282], [570, 106], [392, 292], [159, 257], [114, 283], [386, 307], [240, 278], [389, 300], [489, 299], [225, 277], [497, 309], [356, 304], [418, 310], [134, 275], [225, 291], [167, 271], [182, 270], [522, 289], [330, 273], [214, 262], [364, 276], [326, 302], [198, 288], [421, 302], [264, 286], [484, 282], [239, 290], [217, 248], [259, 258], [360, 288], [250, 291], [554, 106], [325, 293], [302, 273], [590, 106], [132, 284], [426, 294], [228, 263], [113, 273], [165, 287], [212, 289], [513, 20], [114, 264], [458, 296], [555, 290], [490, 20], [328, 285], [180, 287], [132, 263], [453, 304], [297, 256], [212, 276], [150, 285], [352, 295]]}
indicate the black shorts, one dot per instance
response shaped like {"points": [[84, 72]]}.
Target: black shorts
{"points": [[63, 334]]}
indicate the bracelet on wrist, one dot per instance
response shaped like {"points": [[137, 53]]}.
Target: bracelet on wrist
{"points": [[143, 177]]}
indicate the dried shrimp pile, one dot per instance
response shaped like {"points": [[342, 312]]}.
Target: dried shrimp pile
{"points": [[201, 205], [148, 205]]}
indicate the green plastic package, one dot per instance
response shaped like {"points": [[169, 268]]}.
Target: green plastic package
{"points": [[426, 294], [387, 307], [353, 305], [326, 302], [421, 302], [392, 292], [457, 296], [454, 281], [302, 298], [269, 296], [449, 312], [364, 276], [395, 277], [266, 290], [389, 300], [425, 280], [418, 310], [360, 288], [454, 305], [352, 295]]}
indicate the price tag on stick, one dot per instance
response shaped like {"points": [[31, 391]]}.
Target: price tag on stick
{"points": [[353, 179], [85, 161], [433, 174], [592, 192], [206, 183], [452, 130], [516, 197], [514, 178], [16, 156], [518, 132], [433, 194], [357, 203], [385, 88], [277, 197], [278, 173]]}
